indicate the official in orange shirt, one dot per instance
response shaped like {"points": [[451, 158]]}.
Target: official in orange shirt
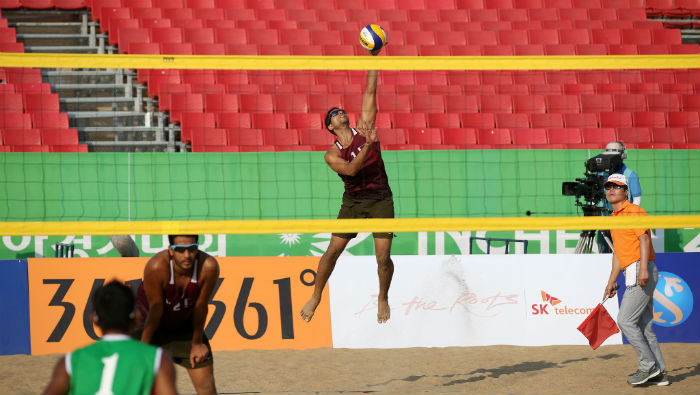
{"points": [[634, 255]]}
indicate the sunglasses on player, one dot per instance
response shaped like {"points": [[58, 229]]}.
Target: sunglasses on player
{"points": [[336, 112], [182, 248]]}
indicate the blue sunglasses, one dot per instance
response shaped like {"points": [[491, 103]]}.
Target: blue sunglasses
{"points": [[336, 112], [182, 248]]}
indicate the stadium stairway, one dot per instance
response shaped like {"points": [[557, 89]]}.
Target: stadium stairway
{"points": [[104, 109]]}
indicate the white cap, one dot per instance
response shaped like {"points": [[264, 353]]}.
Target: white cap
{"points": [[616, 147], [617, 178]]}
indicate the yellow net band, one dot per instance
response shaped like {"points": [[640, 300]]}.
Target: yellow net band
{"points": [[345, 225], [245, 62]]}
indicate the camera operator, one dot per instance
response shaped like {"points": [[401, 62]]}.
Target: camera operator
{"points": [[634, 195]]}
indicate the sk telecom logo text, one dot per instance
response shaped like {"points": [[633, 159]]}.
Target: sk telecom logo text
{"points": [[552, 306]]}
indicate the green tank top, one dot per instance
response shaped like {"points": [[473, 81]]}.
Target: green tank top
{"points": [[117, 364]]}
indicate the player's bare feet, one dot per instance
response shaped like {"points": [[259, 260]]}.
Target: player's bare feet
{"points": [[383, 311], [307, 312]]}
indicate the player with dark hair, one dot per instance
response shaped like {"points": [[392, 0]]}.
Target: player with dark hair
{"points": [[356, 157], [173, 300], [117, 364]]}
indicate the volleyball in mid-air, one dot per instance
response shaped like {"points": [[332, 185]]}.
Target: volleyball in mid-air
{"points": [[372, 37]]}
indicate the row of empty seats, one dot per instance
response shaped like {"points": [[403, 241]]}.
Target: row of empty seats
{"points": [[40, 140], [220, 139]]}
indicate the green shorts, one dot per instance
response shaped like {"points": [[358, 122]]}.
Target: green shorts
{"points": [[366, 208], [178, 344]]}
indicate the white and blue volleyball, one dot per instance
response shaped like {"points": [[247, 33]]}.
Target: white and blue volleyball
{"points": [[372, 37]]}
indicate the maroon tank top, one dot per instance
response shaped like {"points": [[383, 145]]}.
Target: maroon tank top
{"points": [[371, 181], [177, 307]]}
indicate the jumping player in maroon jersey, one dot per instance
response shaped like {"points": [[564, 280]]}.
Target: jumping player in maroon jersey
{"points": [[173, 302], [356, 157]]}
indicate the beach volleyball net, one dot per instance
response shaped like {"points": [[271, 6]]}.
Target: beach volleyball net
{"points": [[233, 145]]}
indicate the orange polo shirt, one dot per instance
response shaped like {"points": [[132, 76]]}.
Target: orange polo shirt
{"points": [[626, 241]]}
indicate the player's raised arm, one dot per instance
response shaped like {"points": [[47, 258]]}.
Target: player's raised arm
{"points": [[369, 100]]}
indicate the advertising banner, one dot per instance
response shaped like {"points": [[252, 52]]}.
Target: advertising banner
{"points": [[255, 305], [296, 244], [440, 301], [14, 294], [676, 297]]}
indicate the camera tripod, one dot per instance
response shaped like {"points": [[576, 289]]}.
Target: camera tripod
{"points": [[587, 237], [586, 240]]}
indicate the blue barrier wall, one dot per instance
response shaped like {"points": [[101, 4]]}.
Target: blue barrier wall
{"points": [[14, 292], [677, 298]]}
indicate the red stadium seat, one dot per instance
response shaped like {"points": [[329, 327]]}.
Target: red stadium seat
{"points": [[546, 121], [128, 35], [459, 136], [462, 104], [683, 119], [262, 103], [69, 4], [634, 135], [529, 104], [201, 120], [690, 102], [185, 102], [629, 102], [512, 121], [494, 136], [545, 36], [144, 48], [449, 120], [394, 102], [176, 48], [651, 119], [622, 49], [529, 136], [209, 138], [294, 102], [663, 102], [11, 102], [480, 38], [424, 136], [233, 120], [306, 121], [606, 36], [315, 137], [22, 137], [560, 49], [392, 136], [512, 90], [669, 135], [280, 137], [15, 120], [408, 120], [563, 136], [166, 35], [644, 88], [678, 88], [269, 121], [495, 103], [50, 120], [244, 136], [497, 50], [577, 120], [615, 119], [428, 103], [600, 136], [563, 104], [478, 121], [512, 37], [596, 103]]}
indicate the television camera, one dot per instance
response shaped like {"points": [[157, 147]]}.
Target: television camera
{"points": [[590, 189]]}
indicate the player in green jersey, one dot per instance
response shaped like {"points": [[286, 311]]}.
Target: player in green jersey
{"points": [[117, 364]]}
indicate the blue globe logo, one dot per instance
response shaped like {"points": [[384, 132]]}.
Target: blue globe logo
{"points": [[673, 300]]}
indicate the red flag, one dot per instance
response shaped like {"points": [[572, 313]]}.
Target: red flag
{"points": [[598, 326]]}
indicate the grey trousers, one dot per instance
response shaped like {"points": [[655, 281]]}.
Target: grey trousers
{"points": [[635, 320]]}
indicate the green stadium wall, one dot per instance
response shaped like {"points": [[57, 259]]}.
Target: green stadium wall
{"points": [[289, 185]]}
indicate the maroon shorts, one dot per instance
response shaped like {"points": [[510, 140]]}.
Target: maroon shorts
{"points": [[366, 208]]}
